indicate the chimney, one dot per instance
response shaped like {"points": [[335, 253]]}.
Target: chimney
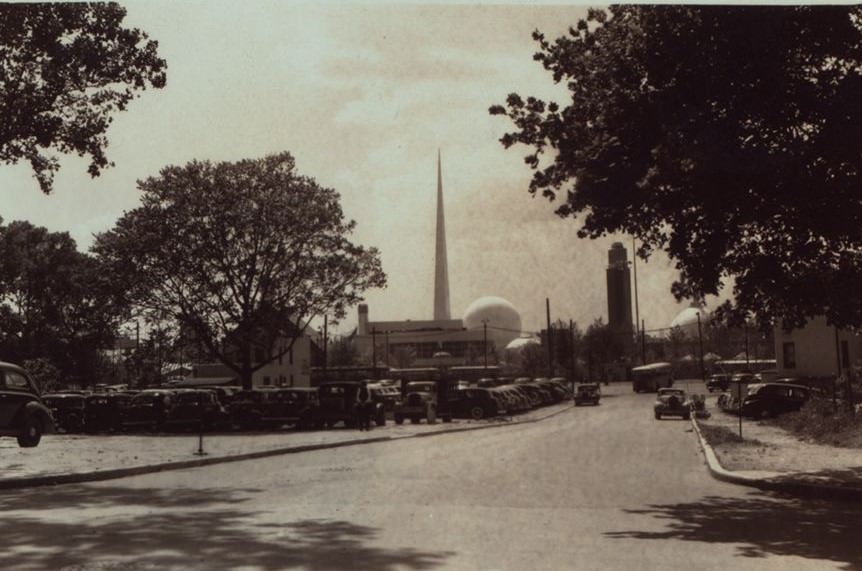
{"points": [[363, 319]]}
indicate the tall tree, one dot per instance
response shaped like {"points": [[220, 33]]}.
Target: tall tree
{"points": [[67, 67], [603, 344], [342, 351], [242, 255], [55, 302], [725, 136]]}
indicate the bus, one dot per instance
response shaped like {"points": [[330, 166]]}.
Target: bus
{"points": [[731, 366], [652, 377]]}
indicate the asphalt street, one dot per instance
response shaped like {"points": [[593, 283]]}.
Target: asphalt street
{"points": [[604, 487]]}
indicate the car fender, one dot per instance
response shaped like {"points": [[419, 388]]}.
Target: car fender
{"points": [[41, 412]]}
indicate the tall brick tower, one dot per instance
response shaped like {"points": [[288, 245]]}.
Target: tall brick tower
{"points": [[619, 292]]}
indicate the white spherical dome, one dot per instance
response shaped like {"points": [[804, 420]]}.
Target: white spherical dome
{"points": [[687, 320], [497, 311], [521, 342], [503, 320]]}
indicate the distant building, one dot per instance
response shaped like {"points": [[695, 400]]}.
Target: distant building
{"points": [[816, 350], [293, 369], [409, 343], [620, 294]]}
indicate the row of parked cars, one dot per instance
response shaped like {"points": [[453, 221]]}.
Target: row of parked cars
{"points": [[756, 399], [329, 404]]}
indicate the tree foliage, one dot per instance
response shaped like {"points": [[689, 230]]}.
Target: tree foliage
{"points": [[602, 344], [66, 67], [55, 302], [726, 136], [241, 255]]}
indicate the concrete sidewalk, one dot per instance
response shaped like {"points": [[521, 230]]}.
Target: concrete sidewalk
{"points": [[770, 458], [73, 458]]}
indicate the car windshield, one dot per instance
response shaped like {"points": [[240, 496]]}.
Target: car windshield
{"points": [[671, 392], [146, 399], [425, 387], [61, 403], [188, 398]]}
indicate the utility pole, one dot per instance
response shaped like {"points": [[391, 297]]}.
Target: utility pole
{"points": [[572, 352], [550, 338], [374, 350], [643, 343], [485, 341], [635, 268], [387, 348], [700, 338], [325, 343], [838, 362], [747, 362]]}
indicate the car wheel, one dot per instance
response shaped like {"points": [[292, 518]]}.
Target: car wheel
{"points": [[399, 419], [31, 432], [658, 416], [447, 418], [414, 420], [686, 416], [477, 413], [381, 419]]}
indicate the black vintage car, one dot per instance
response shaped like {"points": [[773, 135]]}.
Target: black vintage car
{"points": [[68, 410], [148, 410], [718, 382], [476, 403], [773, 399], [196, 409], [105, 411], [340, 401], [22, 412], [271, 407], [588, 393]]}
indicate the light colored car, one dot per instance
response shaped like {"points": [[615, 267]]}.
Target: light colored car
{"points": [[672, 402]]}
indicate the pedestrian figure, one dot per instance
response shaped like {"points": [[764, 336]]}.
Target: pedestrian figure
{"points": [[362, 409]]}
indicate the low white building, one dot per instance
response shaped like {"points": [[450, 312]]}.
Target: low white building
{"points": [[293, 369], [816, 350]]}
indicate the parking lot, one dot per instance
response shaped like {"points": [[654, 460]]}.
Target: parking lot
{"points": [[78, 453]]}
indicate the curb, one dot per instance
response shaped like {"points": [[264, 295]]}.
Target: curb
{"points": [[112, 474], [776, 482]]}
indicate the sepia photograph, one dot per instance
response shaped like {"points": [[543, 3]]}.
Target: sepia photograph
{"points": [[416, 285]]}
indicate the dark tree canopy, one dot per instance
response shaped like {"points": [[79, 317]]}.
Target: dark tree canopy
{"points": [[66, 68], [242, 255], [726, 136], [56, 305]]}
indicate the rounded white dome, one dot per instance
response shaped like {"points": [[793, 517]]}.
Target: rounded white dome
{"points": [[521, 342], [687, 320], [497, 311]]}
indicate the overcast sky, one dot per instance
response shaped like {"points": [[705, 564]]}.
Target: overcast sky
{"points": [[362, 96]]}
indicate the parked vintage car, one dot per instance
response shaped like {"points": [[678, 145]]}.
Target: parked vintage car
{"points": [[106, 411], [387, 396], [196, 409], [148, 409], [340, 401], [773, 399], [587, 393], [718, 382], [672, 402], [419, 399], [22, 412], [476, 403], [67, 409]]}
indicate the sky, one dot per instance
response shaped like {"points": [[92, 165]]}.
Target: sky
{"points": [[363, 95]]}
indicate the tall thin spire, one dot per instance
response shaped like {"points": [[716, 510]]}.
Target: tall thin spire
{"points": [[441, 269]]}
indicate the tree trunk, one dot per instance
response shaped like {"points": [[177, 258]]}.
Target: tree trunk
{"points": [[245, 379]]}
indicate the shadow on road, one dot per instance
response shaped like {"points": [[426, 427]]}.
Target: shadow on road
{"points": [[182, 529], [762, 526]]}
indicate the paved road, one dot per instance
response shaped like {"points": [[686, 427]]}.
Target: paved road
{"points": [[592, 488]]}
